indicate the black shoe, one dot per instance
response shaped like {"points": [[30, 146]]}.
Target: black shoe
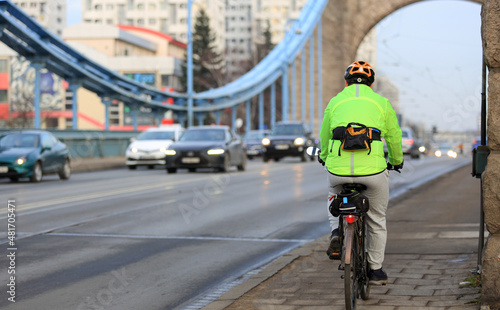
{"points": [[377, 277], [333, 251]]}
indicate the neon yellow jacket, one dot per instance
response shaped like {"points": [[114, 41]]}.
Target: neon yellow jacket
{"points": [[358, 103]]}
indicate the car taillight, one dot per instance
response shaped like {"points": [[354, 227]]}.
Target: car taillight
{"points": [[409, 141]]}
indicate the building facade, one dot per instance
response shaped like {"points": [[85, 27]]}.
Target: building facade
{"points": [[165, 16], [50, 14]]}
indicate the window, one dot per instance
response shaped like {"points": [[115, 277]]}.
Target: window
{"points": [[152, 6], [173, 14], [140, 7], [140, 21], [109, 21], [4, 96], [183, 21], [3, 65], [98, 7], [110, 7]]}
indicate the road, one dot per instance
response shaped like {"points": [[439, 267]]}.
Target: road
{"points": [[145, 239]]}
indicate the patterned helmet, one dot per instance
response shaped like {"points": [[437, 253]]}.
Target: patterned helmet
{"points": [[360, 72]]}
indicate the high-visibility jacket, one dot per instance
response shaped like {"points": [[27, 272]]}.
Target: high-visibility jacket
{"points": [[358, 103]]}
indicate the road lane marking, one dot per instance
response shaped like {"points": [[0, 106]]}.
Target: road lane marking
{"points": [[179, 237]]}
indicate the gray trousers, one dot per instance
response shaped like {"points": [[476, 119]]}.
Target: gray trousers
{"points": [[378, 195]]}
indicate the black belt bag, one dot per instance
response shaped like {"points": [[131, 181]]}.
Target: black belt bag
{"points": [[356, 137]]}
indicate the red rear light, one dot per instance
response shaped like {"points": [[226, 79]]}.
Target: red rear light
{"points": [[350, 219], [409, 141]]}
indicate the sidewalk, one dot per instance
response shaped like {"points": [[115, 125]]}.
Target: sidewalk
{"points": [[432, 248]]}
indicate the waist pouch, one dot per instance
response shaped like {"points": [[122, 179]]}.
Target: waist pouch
{"points": [[349, 201], [356, 137]]}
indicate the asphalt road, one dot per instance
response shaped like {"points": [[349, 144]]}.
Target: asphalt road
{"points": [[144, 239]]}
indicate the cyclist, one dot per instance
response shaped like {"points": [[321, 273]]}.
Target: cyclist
{"points": [[358, 103]]}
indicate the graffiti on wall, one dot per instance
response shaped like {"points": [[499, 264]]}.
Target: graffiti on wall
{"points": [[22, 87]]}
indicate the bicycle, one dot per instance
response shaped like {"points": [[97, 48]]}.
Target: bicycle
{"points": [[352, 207], [354, 255]]}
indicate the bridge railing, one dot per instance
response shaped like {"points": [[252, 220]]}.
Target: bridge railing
{"points": [[93, 143]]}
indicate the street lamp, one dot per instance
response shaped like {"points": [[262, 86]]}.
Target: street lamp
{"points": [[190, 67]]}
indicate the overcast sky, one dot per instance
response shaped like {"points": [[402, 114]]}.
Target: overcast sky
{"points": [[432, 51]]}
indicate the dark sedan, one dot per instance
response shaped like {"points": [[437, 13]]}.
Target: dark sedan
{"points": [[253, 142], [206, 147], [287, 139], [31, 154]]}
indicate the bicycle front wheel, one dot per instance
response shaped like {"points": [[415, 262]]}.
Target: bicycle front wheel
{"points": [[350, 278]]}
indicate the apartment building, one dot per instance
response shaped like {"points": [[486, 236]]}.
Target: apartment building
{"points": [[166, 16], [239, 43], [142, 54], [49, 13], [278, 13]]}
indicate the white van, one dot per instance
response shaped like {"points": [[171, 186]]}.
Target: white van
{"points": [[148, 149]]}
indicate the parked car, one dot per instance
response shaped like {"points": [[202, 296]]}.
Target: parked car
{"points": [[253, 142], [32, 154], [287, 139], [206, 147], [148, 149]]}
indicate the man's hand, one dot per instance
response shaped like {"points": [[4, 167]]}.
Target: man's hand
{"points": [[395, 167], [320, 160]]}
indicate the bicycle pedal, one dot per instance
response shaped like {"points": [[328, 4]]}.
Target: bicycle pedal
{"points": [[341, 267]]}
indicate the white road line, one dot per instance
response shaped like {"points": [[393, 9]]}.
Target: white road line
{"points": [[179, 237]]}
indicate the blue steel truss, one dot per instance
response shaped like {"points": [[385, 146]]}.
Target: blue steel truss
{"points": [[28, 38]]}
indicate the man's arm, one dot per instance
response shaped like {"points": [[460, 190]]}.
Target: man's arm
{"points": [[325, 134], [393, 137]]}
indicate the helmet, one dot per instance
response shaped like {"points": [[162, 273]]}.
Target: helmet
{"points": [[360, 72]]}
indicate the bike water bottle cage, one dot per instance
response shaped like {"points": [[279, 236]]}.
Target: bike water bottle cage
{"points": [[355, 137]]}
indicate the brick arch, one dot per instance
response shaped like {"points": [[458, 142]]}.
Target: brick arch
{"points": [[345, 24]]}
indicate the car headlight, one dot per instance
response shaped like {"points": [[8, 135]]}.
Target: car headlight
{"points": [[298, 141], [266, 141], [438, 153], [422, 149], [215, 152], [20, 160], [133, 150], [170, 152]]}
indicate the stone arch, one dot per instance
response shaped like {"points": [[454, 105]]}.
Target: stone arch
{"points": [[345, 24]]}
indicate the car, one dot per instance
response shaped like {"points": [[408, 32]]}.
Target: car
{"points": [[148, 149], [253, 142], [213, 146], [287, 139], [32, 154], [409, 143], [443, 149]]}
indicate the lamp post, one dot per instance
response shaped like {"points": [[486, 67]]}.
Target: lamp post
{"points": [[189, 67]]}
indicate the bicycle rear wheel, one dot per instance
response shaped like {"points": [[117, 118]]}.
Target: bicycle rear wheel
{"points": [[350, 277], [364, 285]]}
